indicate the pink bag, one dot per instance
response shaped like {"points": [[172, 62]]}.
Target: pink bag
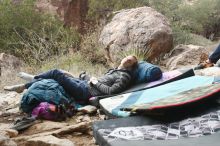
{"points": [[46, 111]]}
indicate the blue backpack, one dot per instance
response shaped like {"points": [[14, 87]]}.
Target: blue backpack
{"points": [[146, 72], [45, 90]]}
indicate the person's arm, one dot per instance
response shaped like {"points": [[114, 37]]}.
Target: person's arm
{"points": [[215, 56], [67, 73], [119, 85]]}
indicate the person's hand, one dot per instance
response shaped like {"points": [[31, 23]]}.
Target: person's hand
{"points": [[93, 80]]}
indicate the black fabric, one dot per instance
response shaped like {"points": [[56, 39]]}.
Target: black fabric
{"points": [[185, 74], [24, 123], [144, 120], [113, 82], [84, 76]]}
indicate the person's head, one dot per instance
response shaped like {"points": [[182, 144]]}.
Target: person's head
{"points": [[129, 62]]}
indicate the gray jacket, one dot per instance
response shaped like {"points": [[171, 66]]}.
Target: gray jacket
{"points": [[113, 82]]}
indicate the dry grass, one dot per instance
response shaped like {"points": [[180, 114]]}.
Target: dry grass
{"points": [[74, 63]]}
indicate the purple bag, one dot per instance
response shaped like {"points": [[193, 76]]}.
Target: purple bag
{"points": [[45, 111]]}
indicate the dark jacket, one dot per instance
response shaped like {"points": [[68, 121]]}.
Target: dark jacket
{"points": [[45, 90], [113, 82]]}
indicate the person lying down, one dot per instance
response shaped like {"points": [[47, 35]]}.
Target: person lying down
{"points": [[76, 90], [113, 82]]}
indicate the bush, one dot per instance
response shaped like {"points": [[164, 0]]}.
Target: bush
{"points": [[35, 47], [201, 17], [100, 8], [167, 7], [180, 35], [186, 19], [29, 34], [91, 50]]}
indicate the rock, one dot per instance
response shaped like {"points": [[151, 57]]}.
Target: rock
{"points": [[75, 14], [9, 100], [56, 8], [45, 126], [13, 111], [102, 117], [211, 71], [186, 56], [142, 28], [11, 133], [5, 141], [82, 127], [49, 141], [4, 126], [89, 109], [9, 62], [84, 118]]}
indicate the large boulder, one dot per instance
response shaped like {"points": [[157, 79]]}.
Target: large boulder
{"points": [[186, 56], [142, 28]]}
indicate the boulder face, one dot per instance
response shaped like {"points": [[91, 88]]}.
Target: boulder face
{"points": [[140, 28], [71, 12], [185, 56]]}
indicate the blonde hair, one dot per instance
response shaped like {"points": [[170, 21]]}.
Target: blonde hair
{"points": [[135, 63]]}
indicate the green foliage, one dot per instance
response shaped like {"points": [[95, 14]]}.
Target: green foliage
{"points": [[140, 53], [201, 16], [166, 7], [180, 35], [91, 49], [100, 8], [35, 47], [29, 34], [190, 18]]}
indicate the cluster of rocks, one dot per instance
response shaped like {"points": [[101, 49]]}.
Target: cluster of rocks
{"points": [[44, 133]]}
